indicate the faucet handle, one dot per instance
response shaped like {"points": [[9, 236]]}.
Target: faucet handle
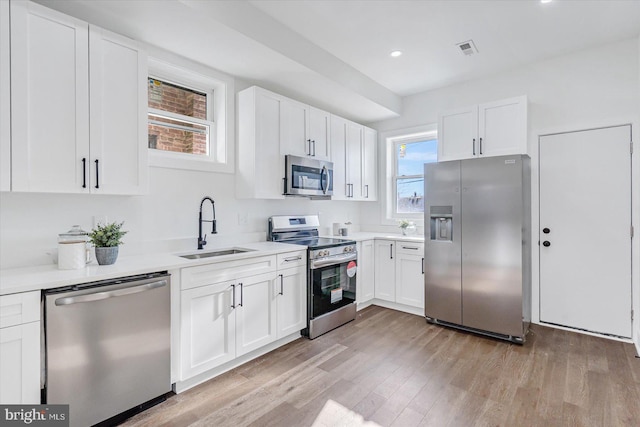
{"points": [[204, 240]]}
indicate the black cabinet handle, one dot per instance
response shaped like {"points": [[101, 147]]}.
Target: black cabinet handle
{"points": [[366, 187], [422, 265], [84, 172], [546, 243], [309, 142], [241, 294], [233, 292], [474, 146], [480, 146], [391, 251], [281, 284], [546, 230], [97, 174], [314, 147]]}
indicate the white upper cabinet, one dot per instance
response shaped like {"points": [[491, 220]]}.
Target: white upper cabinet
{"points": [[118, 131], [490, 129], [260, 171], [56, 145], [319, 133], [369, 165], [338, 137], [5, 100]]}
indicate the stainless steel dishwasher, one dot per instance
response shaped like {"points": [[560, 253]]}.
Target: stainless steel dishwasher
{"points": [[107, 346]]}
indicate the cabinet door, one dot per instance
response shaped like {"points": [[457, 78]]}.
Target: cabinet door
{"points": [[260, 165], [20, 364], [353, 138], [410, 277], [385, 270], [502, 127], [208, 326], [319, 130], [457, 134], [369, 166], [118, 117], [256, 313], [294, 135], [339, 157], [291, 299], [365, 287], [5, 100], [49, 100]]}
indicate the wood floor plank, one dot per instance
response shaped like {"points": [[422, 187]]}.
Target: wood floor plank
{"points": [[393, 369]]}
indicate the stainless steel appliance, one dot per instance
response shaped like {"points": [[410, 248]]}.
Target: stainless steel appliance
{"points": [[107, 346], [305, 176], [478, 250], [331, 272]]}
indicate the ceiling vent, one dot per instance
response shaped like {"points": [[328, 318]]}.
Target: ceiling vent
{"points": [[468, 47]]}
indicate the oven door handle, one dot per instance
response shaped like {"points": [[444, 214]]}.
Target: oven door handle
{"points": [[333, 261]]}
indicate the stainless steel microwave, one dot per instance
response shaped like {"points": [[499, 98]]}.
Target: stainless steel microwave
{"points": [[308, 177]]}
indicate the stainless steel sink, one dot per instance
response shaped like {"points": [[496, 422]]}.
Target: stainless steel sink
{"points": [[221, 252]]}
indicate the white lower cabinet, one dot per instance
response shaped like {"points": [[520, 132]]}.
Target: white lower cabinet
{"points": [[20, 348], [410, 274], [226, 313], [399, 272], [365, 286], [291, 297], [385, 270]]}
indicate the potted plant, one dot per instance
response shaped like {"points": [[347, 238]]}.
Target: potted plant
{"points": [[407, 227], [107, 238]]}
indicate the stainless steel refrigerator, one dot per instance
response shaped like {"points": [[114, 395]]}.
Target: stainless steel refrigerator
{"points": [[478, 245]]}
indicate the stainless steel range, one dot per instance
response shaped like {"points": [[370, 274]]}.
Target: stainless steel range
{"points": [[331, 272]]}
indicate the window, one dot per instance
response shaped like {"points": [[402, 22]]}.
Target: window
{"points": [[190, 116], [407, 150], [179, 118], [410, 156]]}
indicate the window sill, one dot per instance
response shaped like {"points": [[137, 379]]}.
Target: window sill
{"points": [[186, 162]]}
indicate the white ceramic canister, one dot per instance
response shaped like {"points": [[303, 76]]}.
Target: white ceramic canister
{"points": [[72, 249]]}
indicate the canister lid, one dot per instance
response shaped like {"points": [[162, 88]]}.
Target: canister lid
{"points": [[76, 233]]}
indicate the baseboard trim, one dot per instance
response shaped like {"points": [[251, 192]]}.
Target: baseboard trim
{"points": [[181, 386], [392, 305], [580, 331]]}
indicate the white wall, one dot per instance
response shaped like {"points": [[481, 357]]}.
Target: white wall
{"points": [[586, 89]]}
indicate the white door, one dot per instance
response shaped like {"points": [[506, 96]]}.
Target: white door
{"points": [[585, 230], [339, 157], [256, 313], [365, 278], [410, 274], [502, 127], [319, 130], [207, 329], [369, 166], [5, 104], [354, 160], [49, 100], [291, 295], [118, 114], [294, 127], [20, 364], [457, 134], [385, 270]]}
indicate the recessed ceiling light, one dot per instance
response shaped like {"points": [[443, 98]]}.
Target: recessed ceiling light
{"points": [[396, 53], [545, 1]]}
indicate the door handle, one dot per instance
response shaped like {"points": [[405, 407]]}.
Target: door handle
{"points": [[314, 147], [546, 243], [97, 296], [241, 294], [281, 284], [309, 151], [366, 187], [474, 146], [546, 230], [422, 265], [233, 292], [391, 251], [97, 174], [84, 172], [480, 146]]}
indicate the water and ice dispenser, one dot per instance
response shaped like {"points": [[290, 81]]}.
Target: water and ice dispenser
{"points": [[441, 223]]}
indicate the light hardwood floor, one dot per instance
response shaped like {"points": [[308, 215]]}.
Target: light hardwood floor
{"points": [[389, 368]]}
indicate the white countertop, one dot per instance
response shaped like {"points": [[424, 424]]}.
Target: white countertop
{"points": [[365, 235], [41, 277]]}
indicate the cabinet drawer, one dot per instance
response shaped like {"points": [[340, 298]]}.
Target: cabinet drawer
{"points": [[292, 259], [410, 248], [202, 275], [20, 308]]}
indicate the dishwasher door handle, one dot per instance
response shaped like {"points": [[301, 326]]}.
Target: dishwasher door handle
{"points": [[97, 296]]}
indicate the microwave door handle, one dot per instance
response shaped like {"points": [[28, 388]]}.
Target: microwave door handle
{"points": [[328, 180], [324, 172]]}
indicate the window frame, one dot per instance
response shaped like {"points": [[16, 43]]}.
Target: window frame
{"points": [[392, 140], [219, 88]]}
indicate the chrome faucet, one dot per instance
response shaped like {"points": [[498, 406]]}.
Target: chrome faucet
{"points": [[202, 240]]}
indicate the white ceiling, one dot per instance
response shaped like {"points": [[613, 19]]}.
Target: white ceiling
{"points": [[335, 53]]}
